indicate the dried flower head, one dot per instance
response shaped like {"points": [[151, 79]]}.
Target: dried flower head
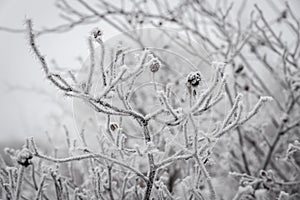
{"points": [[194, 79], [246, 87], [155, 65], [284, 14], [284, 117], [239, 68], [97, 33], [24, 157], [113, 126]]}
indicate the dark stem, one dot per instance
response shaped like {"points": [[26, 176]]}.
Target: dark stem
{"points": [[272, 148], [241, 141], [151, 179], [109, 168], [281, 131], [152, 170]]}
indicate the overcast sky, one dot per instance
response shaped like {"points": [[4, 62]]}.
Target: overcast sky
{"points": [[23, 113]]}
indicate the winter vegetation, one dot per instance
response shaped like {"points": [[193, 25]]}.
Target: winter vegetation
{"points": [[208, 111]]}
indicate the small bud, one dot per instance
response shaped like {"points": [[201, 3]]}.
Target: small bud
{"points": [[262, 43], [252, 48], [284, 14], [24, 157]]}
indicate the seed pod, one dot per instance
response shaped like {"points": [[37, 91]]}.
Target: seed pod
{"points": [[24, 157]]}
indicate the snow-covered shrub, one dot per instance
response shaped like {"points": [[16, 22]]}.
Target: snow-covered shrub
{"points": [[156, 143]]}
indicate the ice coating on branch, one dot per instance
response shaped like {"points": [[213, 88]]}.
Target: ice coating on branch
{"points": [[219, 66]]}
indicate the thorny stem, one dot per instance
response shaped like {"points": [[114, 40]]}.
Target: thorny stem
{"points": [[124, 186], [281, 131], [241, 140], [58, 186], [109, 168], [152, 170], [83, 157], [272, 147], [54, 78], [33, 176], [173, 159], [102, 60], [11, 179], [92, 67], [150, 177], [202, 167], [98, 185], [6, 188], [19, 182], [213, 194], [40, 188]]}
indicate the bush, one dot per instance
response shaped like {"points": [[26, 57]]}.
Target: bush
{"points": [[175, 139]]}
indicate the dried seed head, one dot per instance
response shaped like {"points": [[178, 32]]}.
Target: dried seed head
{"points": [[155, 65], [24, 157], [285, 118], [97, 33], [239, 68], [194, 79], [246, 87], [284, 14], [114, 126]]}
